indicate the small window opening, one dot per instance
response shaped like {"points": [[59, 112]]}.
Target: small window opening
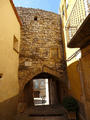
{"points": [[1, 75], [15, 44], [35, 18]]}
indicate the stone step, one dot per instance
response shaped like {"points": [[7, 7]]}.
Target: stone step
{"points": [[43, 113], [41, 118], [47, 118]]}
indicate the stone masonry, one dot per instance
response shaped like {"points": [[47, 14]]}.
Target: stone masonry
{"points": [[41, 47]]}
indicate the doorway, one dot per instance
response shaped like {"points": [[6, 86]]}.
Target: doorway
{"points": [[41, 92]]}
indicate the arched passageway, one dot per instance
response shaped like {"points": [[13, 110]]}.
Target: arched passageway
{"points": [[43, 89]]}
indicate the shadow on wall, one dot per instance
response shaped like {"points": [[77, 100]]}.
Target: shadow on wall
{"points": [[75, 87], [74, 80], [8, 108]]}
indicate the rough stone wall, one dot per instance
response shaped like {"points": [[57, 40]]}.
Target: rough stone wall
{"points": [[41, 45]]}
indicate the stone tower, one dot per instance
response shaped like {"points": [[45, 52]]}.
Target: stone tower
{"points": [[41, 49]]}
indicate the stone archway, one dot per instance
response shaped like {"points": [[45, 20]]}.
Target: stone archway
{"points": [[29, 75], [56, 86]]}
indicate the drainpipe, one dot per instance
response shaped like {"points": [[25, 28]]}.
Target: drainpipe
{"points": [[83, 88]]}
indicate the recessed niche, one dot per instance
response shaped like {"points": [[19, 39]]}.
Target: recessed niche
{"points": [[15, 43], [35, 18], [1, 75]]}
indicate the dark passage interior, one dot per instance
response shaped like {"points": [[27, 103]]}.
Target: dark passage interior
{"points": [[43, 89]]}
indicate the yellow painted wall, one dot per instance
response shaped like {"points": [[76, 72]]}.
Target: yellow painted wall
{"points": [[85, 62], [78, 71], [74, 79], [72, 65], [67, 11], [9, 26]]}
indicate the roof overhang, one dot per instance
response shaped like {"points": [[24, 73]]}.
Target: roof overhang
{"points": [[82, 36], [15, 11]]}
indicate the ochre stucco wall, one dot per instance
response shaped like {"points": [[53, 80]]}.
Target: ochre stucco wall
{"points": [[74, 83], [74, 79], [85, 62], [9, 26], [66, 12], [74, 66]]}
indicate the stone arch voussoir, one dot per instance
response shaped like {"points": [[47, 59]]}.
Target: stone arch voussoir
{"points": [[45, 70]]}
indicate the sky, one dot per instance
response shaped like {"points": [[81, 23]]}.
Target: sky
{"points": [[48, 5]]}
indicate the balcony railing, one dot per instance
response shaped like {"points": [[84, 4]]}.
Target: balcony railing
{"points": [[80, 11]]}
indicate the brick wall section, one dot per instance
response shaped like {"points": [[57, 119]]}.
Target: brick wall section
{"points": [[41, 47]]}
